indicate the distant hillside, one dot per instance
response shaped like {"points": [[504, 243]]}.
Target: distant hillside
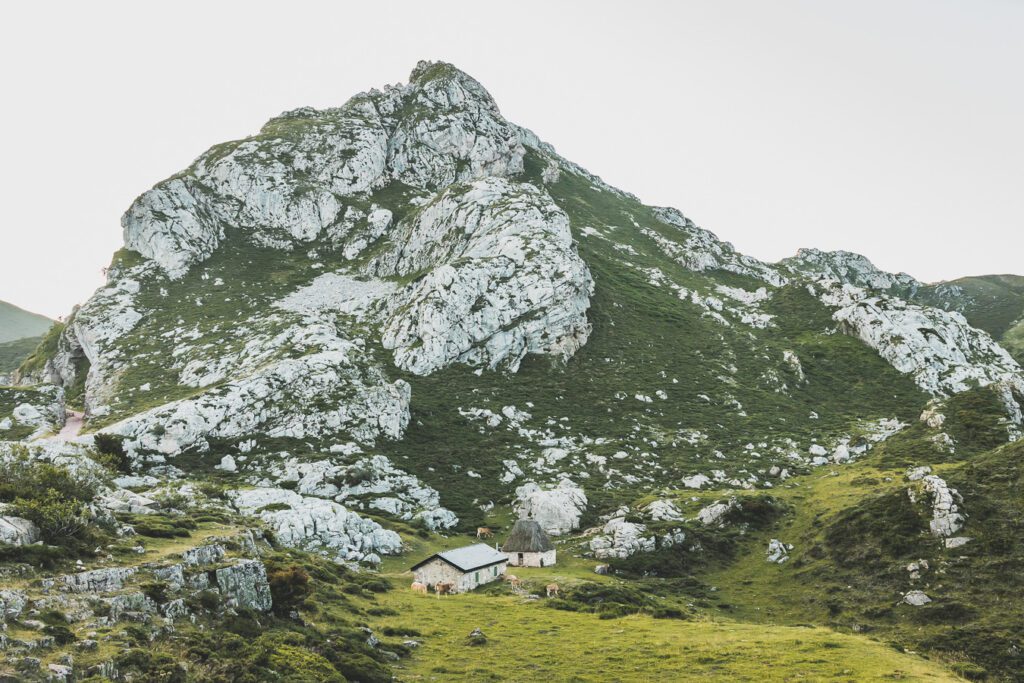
{"points": [[16, 323], [12, 353]]}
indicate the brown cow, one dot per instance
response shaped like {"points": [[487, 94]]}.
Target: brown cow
{"points": [[552, 589], [513, 580], [443, 589], [484, 532], [418, 587]]}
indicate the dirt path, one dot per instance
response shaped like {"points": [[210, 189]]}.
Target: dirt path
{"points": [[72, 425]]}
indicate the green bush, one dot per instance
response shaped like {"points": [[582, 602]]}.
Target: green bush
{"points": [[41, 556], [970, 671], [23, 477], [58, 518], [111, 453], [61, 635], [289, 586]]}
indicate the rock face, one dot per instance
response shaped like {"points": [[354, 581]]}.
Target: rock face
{"points": [[244, 584], [557, 510], [268, 404], [938, 349], [18, 531], [504, 280], [946, 517], [373, 479], [316, 524], [287, 185]]}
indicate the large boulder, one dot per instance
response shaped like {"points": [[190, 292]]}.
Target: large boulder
{"points": [[557, 510], [620, 539], [244, 584], [18, 531]]}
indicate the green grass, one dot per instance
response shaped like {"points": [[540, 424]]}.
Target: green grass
{"points": [[12, 353], [528, 641]]}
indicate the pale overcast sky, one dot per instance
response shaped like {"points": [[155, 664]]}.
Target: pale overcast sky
{"points": [[894, 128]]}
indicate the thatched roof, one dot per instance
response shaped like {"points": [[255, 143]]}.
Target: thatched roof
{"points": [[527, 537]]}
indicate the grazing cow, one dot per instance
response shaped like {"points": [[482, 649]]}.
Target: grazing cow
{"points": [[513, 580], [418, 587], [484, 532], [552, 589], [443, 589]]}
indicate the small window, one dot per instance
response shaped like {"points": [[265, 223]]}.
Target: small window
{"points": [[476, 576]]}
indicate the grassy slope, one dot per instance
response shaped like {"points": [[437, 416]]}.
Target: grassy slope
{"points": [[855, 530], [17, 323], [643, 338], [529, 640], [12, 353]]}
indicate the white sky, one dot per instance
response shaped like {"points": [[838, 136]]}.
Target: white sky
{"points": [[894, 128]]}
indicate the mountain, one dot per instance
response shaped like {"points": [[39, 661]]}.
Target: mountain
{"points": [[364, 332], [16, 323], [20, 334]]}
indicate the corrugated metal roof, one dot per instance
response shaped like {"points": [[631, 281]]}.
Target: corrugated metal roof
{"points": [[469, 557]]}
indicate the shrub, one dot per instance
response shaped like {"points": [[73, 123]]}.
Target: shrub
{"points": [[110, 452], [61, 635], [58, 518], [301, 664], [289, 586], [155, 591], [41, 556], [970, 671], [23, 477]]}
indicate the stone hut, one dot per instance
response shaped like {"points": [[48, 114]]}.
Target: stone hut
{"points": [[465, 568], [528, 545]]}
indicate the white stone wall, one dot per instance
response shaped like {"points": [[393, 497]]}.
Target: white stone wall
{"points": [[545, 559], [439, 571]]}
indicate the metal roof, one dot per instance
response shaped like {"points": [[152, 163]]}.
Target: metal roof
{"points": [[468, 558]]}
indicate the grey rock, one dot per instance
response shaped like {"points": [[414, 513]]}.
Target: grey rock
{"points": [[244, 584]]}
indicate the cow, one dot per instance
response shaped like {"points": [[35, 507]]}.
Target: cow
{"points": [[484, 532], [443, 589], [552, 589], [513, 580], [418, 587]]}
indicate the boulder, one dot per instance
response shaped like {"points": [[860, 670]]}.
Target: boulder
{"points": [[714, 514], [778, 552], [916, 598], [557, 510], [244, 584], [620, 539], [18, 531], [663, 511], [12, 604]]}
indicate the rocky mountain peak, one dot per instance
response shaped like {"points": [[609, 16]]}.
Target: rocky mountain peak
{"points": [[849, 268]]}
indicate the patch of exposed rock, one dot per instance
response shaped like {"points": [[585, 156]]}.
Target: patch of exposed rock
{"points": [[557, 510], [316, 524]]}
